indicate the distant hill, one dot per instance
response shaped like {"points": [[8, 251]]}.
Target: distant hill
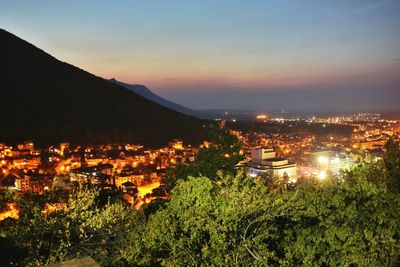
{"points": [[46, 100], [146, 93]]}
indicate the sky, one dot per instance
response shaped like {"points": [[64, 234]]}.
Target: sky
{"points": [[308, 55]]}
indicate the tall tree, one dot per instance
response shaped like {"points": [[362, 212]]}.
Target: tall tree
{"points": [[77, 227], [221, 154], [392, 163], [238, 221]]}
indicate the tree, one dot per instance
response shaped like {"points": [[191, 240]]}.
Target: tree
{"points": [[222, 154], [225, 219], [78, 227], [235, 220], [392, 164]]}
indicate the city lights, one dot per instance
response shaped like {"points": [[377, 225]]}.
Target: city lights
{"points": [[323, 160], [322, 175], [200, 133], [138, 170], [261, 117]]}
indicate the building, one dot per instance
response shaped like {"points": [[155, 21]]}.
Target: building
{"points": [[324, 161], [265, 163], [28, 145], [176, 144], [369, 144], [99, 174]]}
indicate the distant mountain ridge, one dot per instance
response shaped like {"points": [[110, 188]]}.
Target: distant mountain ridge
{"points": [[46, 100], [148, 94]]}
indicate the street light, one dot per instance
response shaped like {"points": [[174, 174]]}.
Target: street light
{"points": [[323, 160]]}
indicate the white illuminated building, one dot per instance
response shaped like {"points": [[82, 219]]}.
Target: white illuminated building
{"points": [[265, 163], [333, 163]]}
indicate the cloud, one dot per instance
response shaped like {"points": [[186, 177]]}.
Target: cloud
{"points": [[360, 10]]}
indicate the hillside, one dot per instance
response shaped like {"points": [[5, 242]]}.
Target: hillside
{"points": [[148, 94], [46, 100]]}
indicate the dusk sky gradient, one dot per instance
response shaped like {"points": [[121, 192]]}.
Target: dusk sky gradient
{"points": [[300, 55]]}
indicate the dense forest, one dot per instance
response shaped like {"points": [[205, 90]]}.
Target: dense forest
{"points": [[218, 216]]}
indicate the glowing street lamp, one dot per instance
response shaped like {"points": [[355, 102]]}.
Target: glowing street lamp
{"points": [[261, 117], [336, 160], [323, 160], [322, 175]]}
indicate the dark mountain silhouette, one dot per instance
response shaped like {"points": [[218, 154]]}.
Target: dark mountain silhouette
{"points": [[148, 94], [47, 100]]}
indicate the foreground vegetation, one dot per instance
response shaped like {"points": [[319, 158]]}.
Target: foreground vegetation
{"points": [[224, 218]]}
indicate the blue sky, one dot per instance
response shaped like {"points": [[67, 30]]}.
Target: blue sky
{"points": [[308, 55]]}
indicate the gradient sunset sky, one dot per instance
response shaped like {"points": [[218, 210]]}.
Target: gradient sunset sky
{"points": [[300, 55]]}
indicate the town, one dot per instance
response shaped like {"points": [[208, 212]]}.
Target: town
{"points": [[200, 133], [139, 173]]}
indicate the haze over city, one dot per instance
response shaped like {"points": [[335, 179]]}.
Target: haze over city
{"points": [[299, 55]]}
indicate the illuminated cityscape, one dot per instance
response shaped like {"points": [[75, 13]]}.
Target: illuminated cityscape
{"points": [[200, 133], [139, 173]]}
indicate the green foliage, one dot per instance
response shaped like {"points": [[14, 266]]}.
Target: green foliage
{"points": [[5, 196], [222, 154], [82, 228], [236, 221], [222, 220], [154, 206], [352, 223], [392, 164]]}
